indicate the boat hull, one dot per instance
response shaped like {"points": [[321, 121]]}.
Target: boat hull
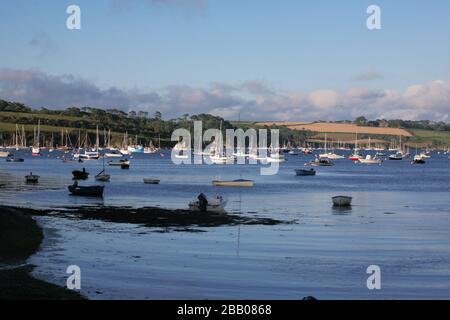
{"points": [[304, 172], [234, 183], [91, 191], [342, 201], [151, 181]]}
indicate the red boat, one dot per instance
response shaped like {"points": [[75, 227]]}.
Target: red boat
{"points": [[354, 157]]}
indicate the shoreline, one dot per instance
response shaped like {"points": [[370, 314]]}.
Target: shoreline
{"points": [[21, 237]]}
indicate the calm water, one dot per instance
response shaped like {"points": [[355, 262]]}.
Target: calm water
{"points": [[399, 220]]}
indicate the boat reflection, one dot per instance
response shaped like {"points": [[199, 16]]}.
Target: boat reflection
{"points": [[342, 211]]}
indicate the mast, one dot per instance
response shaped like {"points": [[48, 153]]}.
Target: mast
{"points": [[97, 139]]}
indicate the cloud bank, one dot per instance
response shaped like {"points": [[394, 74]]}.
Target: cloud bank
{"points": [[252, 100]]}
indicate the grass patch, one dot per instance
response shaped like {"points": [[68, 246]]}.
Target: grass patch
{"points": [[430, 137]]}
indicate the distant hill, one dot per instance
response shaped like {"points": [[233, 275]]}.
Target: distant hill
{"points": [[340, 128]]}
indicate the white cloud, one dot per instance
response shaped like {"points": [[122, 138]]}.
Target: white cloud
{"points": [[252, 100]]}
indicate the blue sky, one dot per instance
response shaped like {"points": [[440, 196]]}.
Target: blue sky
{"points": [[288, 47]]}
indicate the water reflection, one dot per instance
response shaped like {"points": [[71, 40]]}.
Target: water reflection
{"points": [[342, 211]]}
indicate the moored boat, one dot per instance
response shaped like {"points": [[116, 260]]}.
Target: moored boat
{"points": [[151, 181], [418, 160], [204, 203], [119, 163], [305, 172], [102, 176], [369, 160], [4, 154], [80, 175], [88, 191], [342, 201], [320, 163], [397, 156], [234, 183], [13, 159], [32, 178]]}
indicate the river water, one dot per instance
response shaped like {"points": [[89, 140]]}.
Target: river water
{"points": [[399, 220]]}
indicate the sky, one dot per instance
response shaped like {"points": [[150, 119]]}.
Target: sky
{"points": [[257, 59]]}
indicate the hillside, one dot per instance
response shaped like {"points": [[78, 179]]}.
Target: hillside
{"points": [[326, 127]]}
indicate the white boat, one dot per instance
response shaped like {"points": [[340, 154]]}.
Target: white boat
{"points": [[329, 155], [424, 155], [89, 155], [4, 154], [148, 150], [221, 159], [181, 156], [398, 156], [369, 160], [119, 163], [342, 201], [216, 204], [113, 154], [125, 151], [135, 149]]}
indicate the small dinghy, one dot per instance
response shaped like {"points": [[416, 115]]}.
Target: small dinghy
{"points": [[119, 163], [369, 160], [80, 175], [398, 156], [342, 201], [12, 159], [102, 176], [87, 191], [32, 178], [418, 160], [151, 181], [234, 183], [205, 204], [305, 172], [73, 160], [321, 163]]}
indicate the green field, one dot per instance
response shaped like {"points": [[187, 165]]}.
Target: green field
{"points": [[11, 128], [37, 116], [429, 137]]}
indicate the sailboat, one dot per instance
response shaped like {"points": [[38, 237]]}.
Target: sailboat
{"points": [[329, 155], [102, 176], [93, 154], [355, 156], [35, 150], [219, 157]]}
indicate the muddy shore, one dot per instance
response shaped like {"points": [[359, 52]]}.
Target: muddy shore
{"points": [[21, 236]]}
